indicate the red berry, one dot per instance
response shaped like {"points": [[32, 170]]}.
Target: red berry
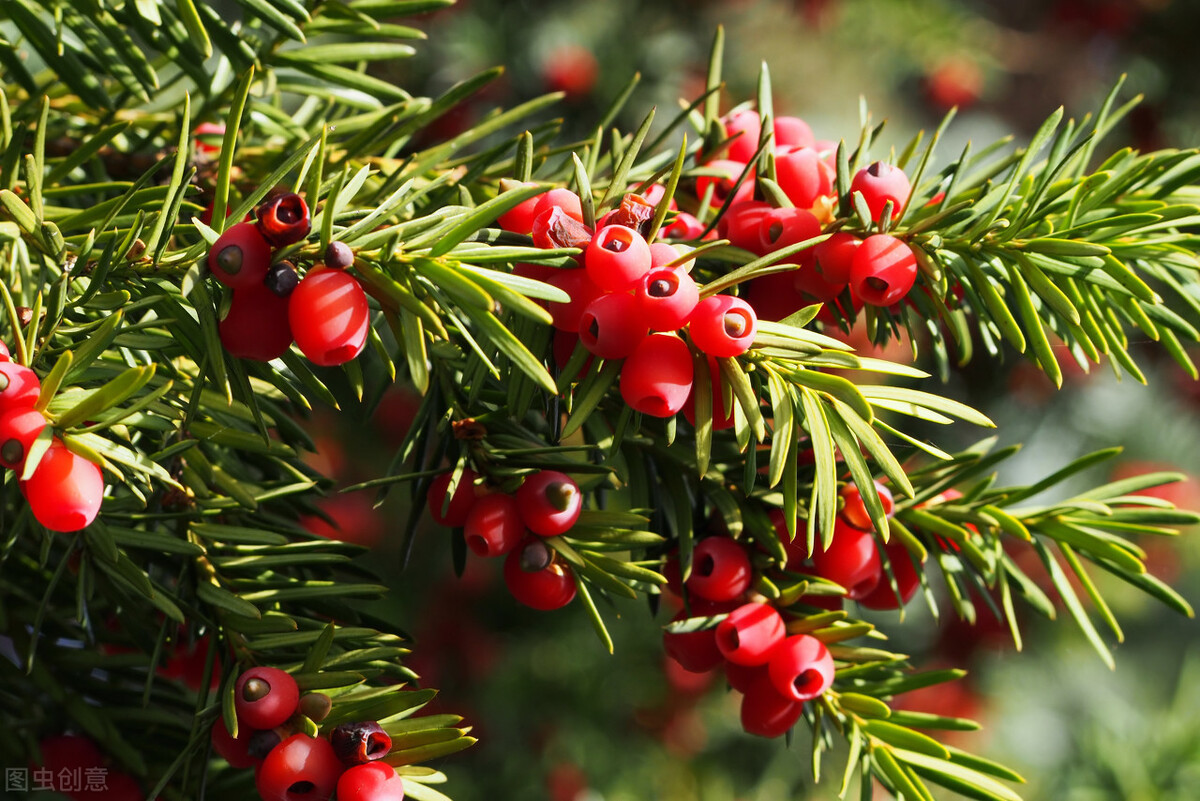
{"points": [[209, 136], [810, 282], [854, 511], [235, 751], [65, 490], [564, 347], [766, 713], [265, 697], [749, 634], [329, 316], [580, 289], [695, 651], [460, 503], [740, 225], [802, 175], [663, 253], [258, 325], [4, 353], [493, 526], [360, 742], [240, 257], [617, 258], [283, 220], [880, 183], [301, 768], [19, 427], [373, 781], [793, 131], [747, 127], [743, 677], [666, 297], [549, 502], [536, 578], [19, 386], [611, 326], [519, 219], [684, 226], [657, 377], [720, 569], [835, 255], [907, 580], [851, 560], [723, 326], [560, 198], [801, 668], [774, 296], [726, 172], [883, 270], [779, 228]]}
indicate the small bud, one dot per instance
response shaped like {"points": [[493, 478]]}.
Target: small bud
{"points": [[338, 255]]}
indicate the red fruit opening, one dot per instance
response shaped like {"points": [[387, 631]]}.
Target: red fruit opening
{"points": [[662, 287], [809, 682], [704, 567], [727, 639], [301, 788], [878, 284]]}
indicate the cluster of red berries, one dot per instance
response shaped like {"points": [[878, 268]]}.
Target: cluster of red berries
{"points": [[293, 766], [878, 270], [630, 299], [74, 766], [516, 526], [326, 313], [65, 490]]}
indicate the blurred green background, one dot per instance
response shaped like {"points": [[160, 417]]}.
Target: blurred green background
{"points": [[559, 719]]}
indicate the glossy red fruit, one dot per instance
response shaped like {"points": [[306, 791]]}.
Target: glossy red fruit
{"points": [[775, 296], [549, 502], [811, 283], [746, 126], [720, 569], [793, 131], [536, 578], [65, 490], [656, 378], [801, 668], [722, 407], [240, 257], [740, 225], [766, 713], [519, 219], [19, 386], [283, 219], [617, 258], [723, 180], [19, 427], [265, 697], [695, 651], [329, 315], [907, 581], [780, 228], [854, 511], [460, 503], [684, 226], [560, 198], [493, 526], [802, 175], [257, 326], [883, 270], [834, 256], [723, 326], [301, 768], [743, 677], [666, 298], [233, 750], [4, 353], [373, 781], [880, 183], [554, 227], [750, 633], [851, 560], [360, 742], [581, 290], [611, 326]]}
